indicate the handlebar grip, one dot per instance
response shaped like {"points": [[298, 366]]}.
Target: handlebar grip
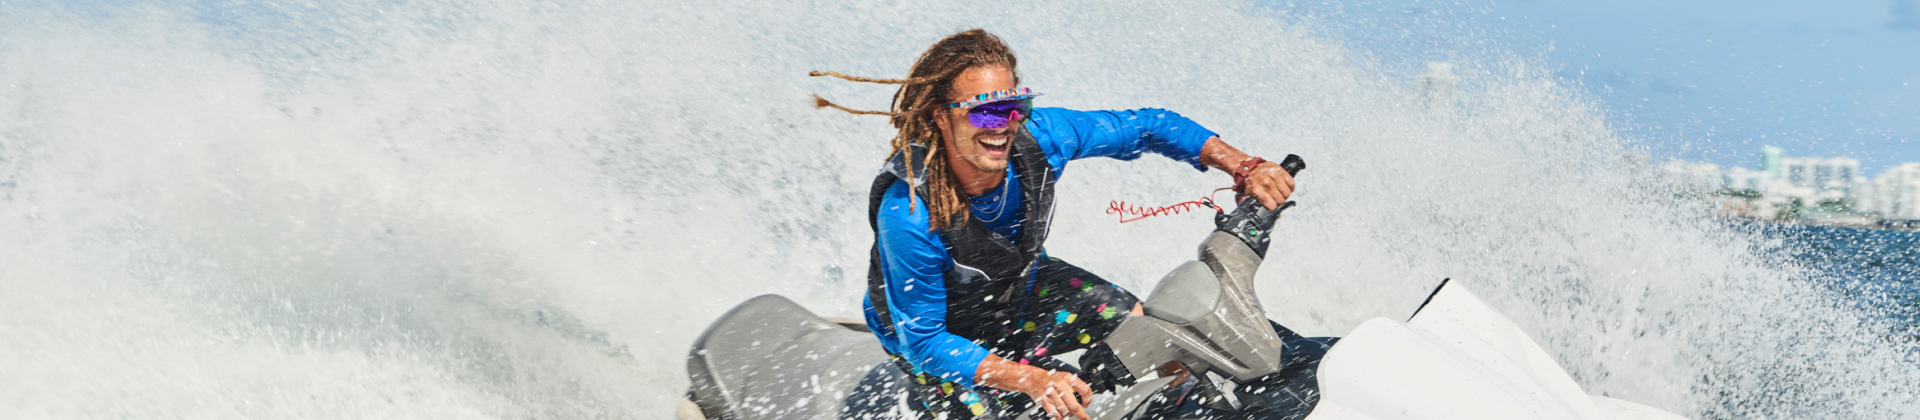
{"points": [[1293, 164], [1252, 222]]}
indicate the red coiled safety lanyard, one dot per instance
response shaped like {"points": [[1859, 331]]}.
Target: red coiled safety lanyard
{"points": [[1130, 212]]}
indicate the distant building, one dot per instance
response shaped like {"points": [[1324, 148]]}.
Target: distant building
{"points": [[1797, 171], [1897, 192], [1866, 197], [1770, 161], [1817, 187], [1821, 174], [1745, 179]]}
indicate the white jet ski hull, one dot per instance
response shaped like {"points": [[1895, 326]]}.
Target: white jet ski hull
{"points": [[1455, 359]]}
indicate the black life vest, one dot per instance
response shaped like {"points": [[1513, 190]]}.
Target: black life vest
{"points": [[988, 270]]}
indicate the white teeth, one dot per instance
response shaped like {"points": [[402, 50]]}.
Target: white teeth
{"points": [[994, 142]]}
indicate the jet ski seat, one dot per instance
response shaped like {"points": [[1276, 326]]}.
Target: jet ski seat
{"points": [[785, 362]]}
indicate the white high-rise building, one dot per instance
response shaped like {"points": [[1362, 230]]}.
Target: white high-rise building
{"points": [[1837, 174], [1822, 174], [1897, 192], [1812, 182], [1797, 171], [1739, 178], [1865, 200]]}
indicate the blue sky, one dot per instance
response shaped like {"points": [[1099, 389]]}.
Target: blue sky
{"points": [[1709, 80], [1714, 80]]}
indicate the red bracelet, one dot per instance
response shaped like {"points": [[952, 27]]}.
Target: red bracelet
{"points": [[1246, 168]]}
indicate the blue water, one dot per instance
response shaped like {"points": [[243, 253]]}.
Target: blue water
{"points": [[1878, 271]]}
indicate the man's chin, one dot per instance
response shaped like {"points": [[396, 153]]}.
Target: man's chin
{"points": [[990, 166]]}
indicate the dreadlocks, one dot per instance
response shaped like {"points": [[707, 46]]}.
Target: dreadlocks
{"points": [[923, 93]]}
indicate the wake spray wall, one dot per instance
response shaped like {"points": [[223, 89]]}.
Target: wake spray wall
{"points": [[506, 209]]}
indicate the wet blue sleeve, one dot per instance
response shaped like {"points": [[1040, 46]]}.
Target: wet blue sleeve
{"points": [[914, 261], [1066, 134]]}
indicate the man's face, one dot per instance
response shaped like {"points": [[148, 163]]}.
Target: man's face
{"points": [[985, 150]]}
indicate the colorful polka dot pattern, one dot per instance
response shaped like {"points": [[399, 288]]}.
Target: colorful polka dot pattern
{"points": [[1066, 309]]}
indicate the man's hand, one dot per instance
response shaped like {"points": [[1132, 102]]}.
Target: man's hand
{"points": [[1266, 182], [1060, 394], [1270, 184]]}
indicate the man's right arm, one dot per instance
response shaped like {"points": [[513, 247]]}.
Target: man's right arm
{"points": [[914, 261]]}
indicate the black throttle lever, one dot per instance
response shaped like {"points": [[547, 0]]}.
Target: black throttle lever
{"points": [[1252, 222]]}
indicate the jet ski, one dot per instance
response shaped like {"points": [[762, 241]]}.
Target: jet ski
{"points": [[1455, 358]]}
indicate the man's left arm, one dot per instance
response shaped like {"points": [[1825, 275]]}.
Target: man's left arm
{"points": [[1264, 180], [1125, 135]]}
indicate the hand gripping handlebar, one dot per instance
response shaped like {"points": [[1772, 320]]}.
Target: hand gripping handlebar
{"points": [[1252, 222]]}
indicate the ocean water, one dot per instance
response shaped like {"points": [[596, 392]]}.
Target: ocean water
{"points": [[518, 209], [1877, 271]]}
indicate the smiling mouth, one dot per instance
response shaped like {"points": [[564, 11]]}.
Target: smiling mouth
{"points": [[994, 143]]}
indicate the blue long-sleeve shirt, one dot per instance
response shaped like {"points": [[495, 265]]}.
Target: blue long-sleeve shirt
{"points": [[914, 258]]}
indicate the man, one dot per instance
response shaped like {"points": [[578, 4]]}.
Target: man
{"points": [[961, 292]]}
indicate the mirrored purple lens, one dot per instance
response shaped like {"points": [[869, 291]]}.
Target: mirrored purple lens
{"points": [[998, 114]]}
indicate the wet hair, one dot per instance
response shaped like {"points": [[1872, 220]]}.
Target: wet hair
{"points": [[924, 92]]}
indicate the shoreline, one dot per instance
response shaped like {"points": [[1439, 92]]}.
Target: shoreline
{"points": [[1867, 224]]}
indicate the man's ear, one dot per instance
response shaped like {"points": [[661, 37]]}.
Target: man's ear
{"points": [[940, 120]]}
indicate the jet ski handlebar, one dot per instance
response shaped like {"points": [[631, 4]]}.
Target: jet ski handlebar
{"points": [[1204, 314], [1252, 222]]}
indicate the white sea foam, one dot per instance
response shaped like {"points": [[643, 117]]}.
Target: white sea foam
{"points": [[513, 209]]}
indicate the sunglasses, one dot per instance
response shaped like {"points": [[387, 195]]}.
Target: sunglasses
{"points": [[997, 115], [994, 110]]}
